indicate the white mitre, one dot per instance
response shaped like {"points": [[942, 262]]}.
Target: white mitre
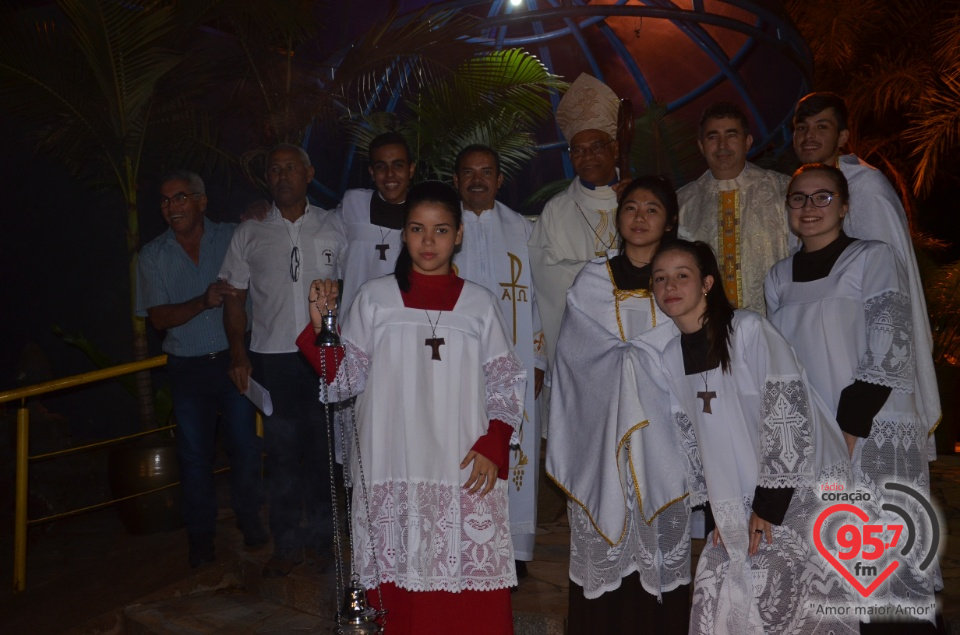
{"points": [[588, 104]]}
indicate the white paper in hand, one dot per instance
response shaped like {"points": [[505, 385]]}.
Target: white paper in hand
{"points": [[260, 396]]}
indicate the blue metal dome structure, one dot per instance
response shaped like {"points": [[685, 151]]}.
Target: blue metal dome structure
{"points": [[684, 55]]}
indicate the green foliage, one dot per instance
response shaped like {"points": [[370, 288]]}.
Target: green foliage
{"points": [[896, 64], [493, 98]]}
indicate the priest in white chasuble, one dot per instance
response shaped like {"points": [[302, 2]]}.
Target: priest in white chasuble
{"points": [[736, 207], [578, 224], [494, 254]]}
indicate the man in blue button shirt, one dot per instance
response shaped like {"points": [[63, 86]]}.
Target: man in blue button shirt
{"points": [[178, 291]]}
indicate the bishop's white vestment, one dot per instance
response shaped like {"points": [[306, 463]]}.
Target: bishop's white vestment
{"points": [[576, 226]]}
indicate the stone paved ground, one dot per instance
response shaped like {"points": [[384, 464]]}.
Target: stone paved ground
{"points": [[82, 570]]}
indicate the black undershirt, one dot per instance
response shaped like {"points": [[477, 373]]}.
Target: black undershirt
{"points": [[769, 503], [384, 214], [860, 401], [628, 277]]}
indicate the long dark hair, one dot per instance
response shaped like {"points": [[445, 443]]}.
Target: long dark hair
{"points": [[661, 187], [718, 316], [433, 192]]}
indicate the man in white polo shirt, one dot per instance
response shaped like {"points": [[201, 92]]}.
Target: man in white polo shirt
{"points": [[275, 261]]}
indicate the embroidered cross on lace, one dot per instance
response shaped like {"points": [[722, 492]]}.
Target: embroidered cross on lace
{"points": [[786, 423]]}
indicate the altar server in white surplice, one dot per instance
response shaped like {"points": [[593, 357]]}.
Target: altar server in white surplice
{"points": [[373, 218], [614, 448], [819, 133], [494, 255], [763, 444], [844, 305], [439, 392]]}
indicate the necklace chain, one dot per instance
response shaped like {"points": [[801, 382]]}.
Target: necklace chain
{"points": [[433, 325], [606, 246], [295, 252]]}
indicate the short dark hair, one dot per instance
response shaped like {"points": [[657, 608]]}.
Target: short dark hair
{"points": [[662, 188], [192, 178], [388, 139], [838, 178], [818, 102], [724, 110], [477, 147]]}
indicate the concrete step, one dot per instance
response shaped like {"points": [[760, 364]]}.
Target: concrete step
{"points": [[233, 612]]}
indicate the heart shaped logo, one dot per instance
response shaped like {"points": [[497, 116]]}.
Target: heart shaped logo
{"points": [[862, 515], [479, 528]]}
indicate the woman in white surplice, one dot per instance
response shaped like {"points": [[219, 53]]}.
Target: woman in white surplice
{"points": [[761, 441], [613, 447], [440, 392], [844, 305]]}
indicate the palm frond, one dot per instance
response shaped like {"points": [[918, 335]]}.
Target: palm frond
{"points": [[894, 92], [400, 56], [503, 133], [836, 31], [943, 303], [935, 131], [545, 193]]}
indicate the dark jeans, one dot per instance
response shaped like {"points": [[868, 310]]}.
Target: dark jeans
{"points": [[201, 390], [298, 469]]}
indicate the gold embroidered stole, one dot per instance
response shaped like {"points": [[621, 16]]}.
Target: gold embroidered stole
{"points": [[619, 295], [728, 241]]}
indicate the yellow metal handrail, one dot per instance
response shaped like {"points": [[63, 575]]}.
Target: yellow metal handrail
{"points": [[20, 521]]}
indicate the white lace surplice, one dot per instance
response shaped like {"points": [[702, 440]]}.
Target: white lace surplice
{"points": [[866, 292], [613, 447], [767, 428], [417, 418], [877, 214]]}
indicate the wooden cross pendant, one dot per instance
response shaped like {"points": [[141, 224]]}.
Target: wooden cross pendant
{"points": [[707, 396], [383, 250], [436, 343]]}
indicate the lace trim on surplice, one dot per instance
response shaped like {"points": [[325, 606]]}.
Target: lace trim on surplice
{"points": [[429, 536], [505, 386], [786, 435], [351, 377], [889, 359], [696, 483]]}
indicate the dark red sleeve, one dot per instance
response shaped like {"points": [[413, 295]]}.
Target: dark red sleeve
{"points": [[331, 355], [495, 445]]}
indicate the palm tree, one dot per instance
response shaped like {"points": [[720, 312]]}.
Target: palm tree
{"points": [[116, 90], [497, 98], [93, 84], [903, 93]]}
